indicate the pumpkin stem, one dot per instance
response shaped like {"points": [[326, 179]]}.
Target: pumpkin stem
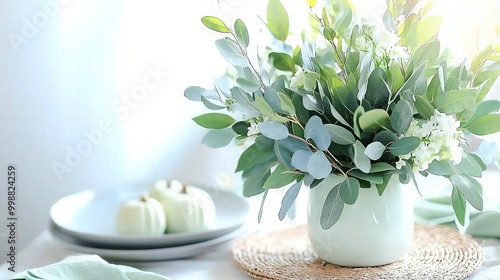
{"points": [[184, 189], [143, 198]]}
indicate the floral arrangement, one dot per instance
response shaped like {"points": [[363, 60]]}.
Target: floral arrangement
{"points": [[356, 100]]}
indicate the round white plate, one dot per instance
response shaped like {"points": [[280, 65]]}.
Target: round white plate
{"points": [[158, 254], [89, 216]]}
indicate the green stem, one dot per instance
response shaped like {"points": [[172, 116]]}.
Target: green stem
{"points": [[245, 53]]}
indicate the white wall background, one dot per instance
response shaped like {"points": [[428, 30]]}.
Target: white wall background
{"points": [[75, 63]]}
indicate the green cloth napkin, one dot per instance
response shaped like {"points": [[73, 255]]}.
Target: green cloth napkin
{"points": [[87, 267], [436, 208]]}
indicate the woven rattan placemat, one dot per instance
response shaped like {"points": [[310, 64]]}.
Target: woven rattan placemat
{"points": [[437, 252]]}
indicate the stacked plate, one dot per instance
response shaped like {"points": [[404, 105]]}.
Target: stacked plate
{"points": [[85, 222]]}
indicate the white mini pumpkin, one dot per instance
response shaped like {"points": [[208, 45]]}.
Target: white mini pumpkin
{"points": [[187, 208], [144, 216]]}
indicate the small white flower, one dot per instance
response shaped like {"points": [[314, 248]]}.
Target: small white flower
{"points": [[253, 130], [398, 53], [440, 139], [298, 78], [400, 163]]}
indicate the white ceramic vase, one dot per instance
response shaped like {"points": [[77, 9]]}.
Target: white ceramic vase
{"points": [[375, 230]]}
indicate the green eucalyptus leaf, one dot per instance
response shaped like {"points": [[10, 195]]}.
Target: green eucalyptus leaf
{"points": [[318, 165], [470, 166], [424, 108], [389, 21], [277, 20], [218, 138], [194, 93], [483, 108], [479, 161], [340, 135], [300, 111], [481, 58], [247, 85], [381, 187], [485, 87], [401, 116], [442, 168], [263, 107], [332, 208], [349, 190], [484, 125], [297, 56], [212, 105], [415, 75], [272, 98], [215, 24], [369, 177], [214, 120], [423, 30], [288, 200], [381, 167], [427, 52], [343, 20], [374, 120], [252, 157], [300, 159], [352, 61], [282, 61], [467, 188], [231, 52], [329, 108], [310, 79], [455, 101], [395, 77], [273, 130], [459, 205], [256, 177], [241, 32], [280, 177], [357, 114], [241, 128], [294, 144], [286, 103], [365, 70], [261, 208], [374, 150], [324, 17], [316, 131], [386, 137], [283, 155], [329, 34], [404, 146], [434, 89], [377, 91], [361, 161]]}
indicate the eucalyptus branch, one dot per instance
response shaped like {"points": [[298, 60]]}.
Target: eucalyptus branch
{"points": [[342, 65], [294, 119], [245, 53], [331, 158], [335, 165]]}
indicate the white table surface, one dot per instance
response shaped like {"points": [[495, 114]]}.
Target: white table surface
{"points": [[216, 264]]}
